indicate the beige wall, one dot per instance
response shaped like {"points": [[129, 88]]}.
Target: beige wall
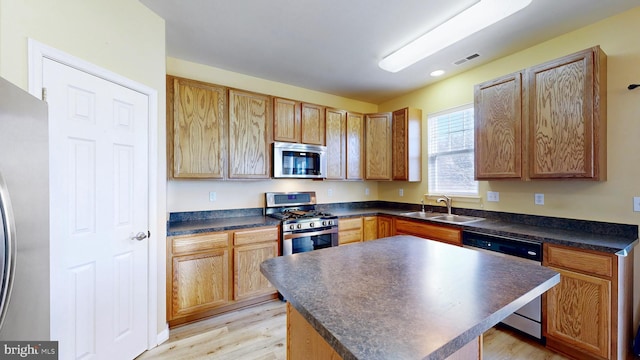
{"points": [[122, 36], [193, 195], [604, 201], [609, 201]]}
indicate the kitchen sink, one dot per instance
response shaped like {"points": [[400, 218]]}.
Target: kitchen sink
{"points": [[421, 214], [458, 219]]}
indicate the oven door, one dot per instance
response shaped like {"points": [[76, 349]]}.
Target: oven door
{"points": [[303, 241]]}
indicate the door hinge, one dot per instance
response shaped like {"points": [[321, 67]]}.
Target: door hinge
{"points": [[148, 234], [44, 94]]}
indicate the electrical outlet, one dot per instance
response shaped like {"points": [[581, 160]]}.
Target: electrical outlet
{"points": [[330, 192], [212, 196], [366, 191], [401, 192], [636, 203], [538, 199], [493, 196]]}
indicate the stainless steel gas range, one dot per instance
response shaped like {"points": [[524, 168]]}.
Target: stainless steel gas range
{"points": [[303, 227]]}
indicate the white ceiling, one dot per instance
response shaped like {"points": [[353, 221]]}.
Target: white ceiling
{"points": [[334, 46]]}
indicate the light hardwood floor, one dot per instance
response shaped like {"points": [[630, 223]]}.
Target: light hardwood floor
{"points": [[259, 333]]}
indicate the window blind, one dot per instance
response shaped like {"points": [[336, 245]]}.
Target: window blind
{"points": [[451, 152]]}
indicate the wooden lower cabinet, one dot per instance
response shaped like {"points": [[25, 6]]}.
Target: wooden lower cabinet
{"points": [[428, 231], [200, 282], [199, 272], [349, 230], [248, 281], [369, 228], [588, 315], [385, 226]]}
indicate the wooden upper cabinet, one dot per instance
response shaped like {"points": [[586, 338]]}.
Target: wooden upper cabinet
{"points": [[498, 128], [286, 120], [355, 146], [378, 146], [336, 122], [249, 134], [406, 143], [312, 124], [567, 117], [196, 125]]}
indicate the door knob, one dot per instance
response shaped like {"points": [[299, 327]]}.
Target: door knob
{"points": [[139, 236]]}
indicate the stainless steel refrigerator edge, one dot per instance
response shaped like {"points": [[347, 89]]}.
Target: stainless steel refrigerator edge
{"points": [[24, 164]]}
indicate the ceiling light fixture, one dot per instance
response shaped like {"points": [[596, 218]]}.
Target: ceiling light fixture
{"points": [[470, 21], [437, 73]]}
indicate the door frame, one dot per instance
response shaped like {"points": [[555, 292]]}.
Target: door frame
{"points": [[37, 53]]}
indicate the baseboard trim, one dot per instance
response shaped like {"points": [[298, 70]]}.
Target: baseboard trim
{"points": [[163, 335]]}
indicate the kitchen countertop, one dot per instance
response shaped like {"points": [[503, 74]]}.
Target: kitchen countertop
{"points": [[588, 235], [402, 297]]}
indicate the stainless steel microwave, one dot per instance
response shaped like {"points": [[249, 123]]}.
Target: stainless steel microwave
{"points": [[299, 161]]}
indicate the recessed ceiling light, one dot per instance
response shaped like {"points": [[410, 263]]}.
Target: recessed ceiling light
{"points": [[437, 73], [470, 21]]}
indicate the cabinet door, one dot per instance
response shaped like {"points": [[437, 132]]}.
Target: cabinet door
{"points": [[196, 125], [369, 228], [578, 313], [336, 121], [566, 124], [199, 282], [249, 135], [385, 227], [355, 146], [498, 128], [406, 132], [378, 146], [312, 124], [428, 231], [286, 120], [248, 280]]}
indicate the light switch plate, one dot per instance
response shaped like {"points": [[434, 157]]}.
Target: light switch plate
{"points": [[212, 196], [538, 199], [493, 196], [330, 192], [636, 203], [401, 192]]}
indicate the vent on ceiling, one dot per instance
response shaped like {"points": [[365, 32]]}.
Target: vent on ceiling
{"points": [[464, 60]]}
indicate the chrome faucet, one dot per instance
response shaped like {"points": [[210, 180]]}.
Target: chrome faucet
{"points": [[447, 201], [422, 202]]}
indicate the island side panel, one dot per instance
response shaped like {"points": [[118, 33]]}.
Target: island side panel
{"points": [[304, 342]]}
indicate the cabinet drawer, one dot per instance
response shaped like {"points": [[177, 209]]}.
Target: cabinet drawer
{"points": [[428, 231], [349, 236], [349, 224], [255, 235], [194, 243], [579, 260]]}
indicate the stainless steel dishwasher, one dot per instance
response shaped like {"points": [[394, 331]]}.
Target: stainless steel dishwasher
{"points": [[527, 319]]}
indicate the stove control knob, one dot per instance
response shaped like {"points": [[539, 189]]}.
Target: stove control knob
{"points": [[324, 223], [329, 223], [292, 226], [299, 226], [311, 224]]}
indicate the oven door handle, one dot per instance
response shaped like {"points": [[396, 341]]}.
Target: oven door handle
{"points": [[288, 236]]}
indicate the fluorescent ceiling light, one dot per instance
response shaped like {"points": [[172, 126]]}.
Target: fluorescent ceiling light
{"points": [[437, 73], [470, 21]]}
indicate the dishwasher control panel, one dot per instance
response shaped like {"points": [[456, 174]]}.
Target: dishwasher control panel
{"points": [[505, 245]]}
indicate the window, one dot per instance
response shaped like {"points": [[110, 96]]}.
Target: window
{"points": [[451, 152]]}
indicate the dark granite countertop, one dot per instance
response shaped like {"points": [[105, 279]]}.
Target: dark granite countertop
{"points": [[588, 235], [582, 234], [403, 297]]}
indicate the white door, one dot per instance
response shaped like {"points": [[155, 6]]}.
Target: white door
{"points": [[99, 202]]}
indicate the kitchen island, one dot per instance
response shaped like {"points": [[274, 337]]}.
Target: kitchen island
{"points": [[400, 297]]}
